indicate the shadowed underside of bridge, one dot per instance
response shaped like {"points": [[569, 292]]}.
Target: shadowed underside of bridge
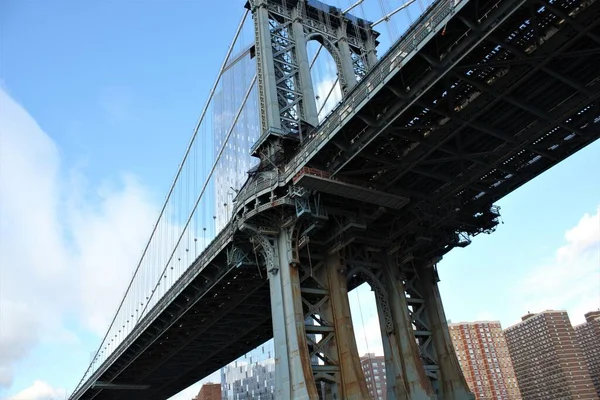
{"points": [[508, 89], [455, 130], [208, 325]]}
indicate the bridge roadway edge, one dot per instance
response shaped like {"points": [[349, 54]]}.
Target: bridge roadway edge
{"points": [[197, 267]]}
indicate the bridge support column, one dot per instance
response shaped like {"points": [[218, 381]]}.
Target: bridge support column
{"points": [[452, 383], [342, 350], [309, 104], [312, 325], [348, 77], [269, 110], [406, 377], [293, 375], [371, 52]]}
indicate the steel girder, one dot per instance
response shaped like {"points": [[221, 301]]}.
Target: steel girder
{"points": [[495, 120], [198, 333], [477, 130], [476, 135]]}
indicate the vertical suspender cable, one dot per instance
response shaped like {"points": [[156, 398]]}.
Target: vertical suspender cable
{"points": [[212, 91], [214, 166]]}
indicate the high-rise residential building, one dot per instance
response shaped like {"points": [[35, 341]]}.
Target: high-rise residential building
{"points": [[588, 335], [548, 361], [374, 369], [209, 391], [252, 376], [235, 161], [484, 359]]}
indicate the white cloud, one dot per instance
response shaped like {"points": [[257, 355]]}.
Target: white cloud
{"points": [[30, 249], [39, 390], [571, 280], [109, 242], [18, 333], [368, 337], [65, 248]]}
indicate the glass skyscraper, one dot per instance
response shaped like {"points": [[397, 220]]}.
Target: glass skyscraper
{"points": [[251, 376], [231, 170]]}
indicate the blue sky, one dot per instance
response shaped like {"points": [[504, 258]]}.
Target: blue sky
{"points": [[97, 103]]}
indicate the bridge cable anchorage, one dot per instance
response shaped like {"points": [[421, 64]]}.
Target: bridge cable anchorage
{"points": [[169, 194]]}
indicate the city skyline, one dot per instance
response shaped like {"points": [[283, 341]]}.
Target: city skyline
{"points": [[91, 148], [480, 347]]}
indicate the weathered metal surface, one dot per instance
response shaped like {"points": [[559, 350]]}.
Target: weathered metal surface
{"points": [[352, 384], [452, 383], [407, 378], [293, 376], [494, 122]]}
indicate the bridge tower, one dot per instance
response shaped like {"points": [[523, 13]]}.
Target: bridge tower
{"points": [[282, 30], [316, 354]]}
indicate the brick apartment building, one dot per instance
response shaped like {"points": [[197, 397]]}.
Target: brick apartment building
{"points": [[547, 359], [374, 369], [484, 359], [588, 335], [209, 391]]}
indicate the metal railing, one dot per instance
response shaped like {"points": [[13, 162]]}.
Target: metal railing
{"points": [[432, 21], [211, 251]]}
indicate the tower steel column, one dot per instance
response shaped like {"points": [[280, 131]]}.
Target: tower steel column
{"points": [[267, 83], [427, 319], [287, 95], [312, 326], [293, 375], [452, 383], [406, 377], [346, 71], [419, 356], [342, 349], [309, 103]]}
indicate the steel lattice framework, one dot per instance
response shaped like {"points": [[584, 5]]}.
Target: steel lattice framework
{"points": [[478, 98]]}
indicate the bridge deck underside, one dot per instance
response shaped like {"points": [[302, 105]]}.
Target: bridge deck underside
{"points": [[207, 326], [488, 117], [478, 112]]}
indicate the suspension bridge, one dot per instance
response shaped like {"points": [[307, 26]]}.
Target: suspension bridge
{"points": [[292, 193]]}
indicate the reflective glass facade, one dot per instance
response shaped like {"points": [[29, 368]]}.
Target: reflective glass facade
{"points": [[231, 170], [251, 376]]}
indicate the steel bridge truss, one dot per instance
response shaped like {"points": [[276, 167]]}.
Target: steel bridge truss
{"points": [[481, 109], [286, 92], [447, 123]]}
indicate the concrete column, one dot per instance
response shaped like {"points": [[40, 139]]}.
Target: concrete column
{"points": [[352, 384], [452, 383], [293, 373], [309, 103], [406, 378]]}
